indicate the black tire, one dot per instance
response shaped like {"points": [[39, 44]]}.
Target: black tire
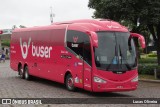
{"points": [[26, 73], [69, 82], [20, 72]]}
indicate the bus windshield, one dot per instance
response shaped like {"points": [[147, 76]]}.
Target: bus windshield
{"points": [[115, 52]]}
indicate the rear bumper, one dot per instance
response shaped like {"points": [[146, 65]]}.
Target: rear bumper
{"points": [[114, 86]]}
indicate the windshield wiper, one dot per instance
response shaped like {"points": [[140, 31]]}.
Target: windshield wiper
{"points": [[126, 63], [114, 58], [120, 53]]}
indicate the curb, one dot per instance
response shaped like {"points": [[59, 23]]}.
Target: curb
{"points": [[147, 80]]}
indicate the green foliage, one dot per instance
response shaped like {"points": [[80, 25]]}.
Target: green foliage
{"points": [[147, 60], [128, 10], [150, 58], [148, 68], [6, 43], [147, 64], [152, 55]]}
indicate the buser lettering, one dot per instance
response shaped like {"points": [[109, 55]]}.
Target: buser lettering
{"points": [[74, 45], [37, 51], [41, 51]]}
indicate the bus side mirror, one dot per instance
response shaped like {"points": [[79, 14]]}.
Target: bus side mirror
{"points": [[1, 32], [141, 39], [94, 39]]}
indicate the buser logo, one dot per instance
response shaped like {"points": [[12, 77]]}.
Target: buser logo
{"points": [[75, 39], [37, 51], [26, 47]]}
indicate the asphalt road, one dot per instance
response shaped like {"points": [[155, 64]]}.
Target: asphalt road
{"points": [[11, 86]]}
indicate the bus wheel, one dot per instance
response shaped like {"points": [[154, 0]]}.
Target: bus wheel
{"points": [[20, 71], [69, 83], [26, 73]]}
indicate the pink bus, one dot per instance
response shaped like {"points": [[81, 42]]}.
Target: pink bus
{"points": [[97, 55]]}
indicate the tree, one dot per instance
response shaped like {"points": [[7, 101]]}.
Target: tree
{"points": [[14, 27], [22, 26], [146, 12], [6, 43]]}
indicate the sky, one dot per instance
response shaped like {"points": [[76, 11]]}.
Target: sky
{"points": [[37, 12]]}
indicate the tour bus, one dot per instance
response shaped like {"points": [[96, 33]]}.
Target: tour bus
{"points": [[97, 55]]}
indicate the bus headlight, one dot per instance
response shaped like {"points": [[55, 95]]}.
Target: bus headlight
{"points": [[99, 80], [135, 79]]}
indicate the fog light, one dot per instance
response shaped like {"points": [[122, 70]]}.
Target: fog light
{"points": [[135, 79]]}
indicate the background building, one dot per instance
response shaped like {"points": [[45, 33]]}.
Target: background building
{"points": [[5, 41]]}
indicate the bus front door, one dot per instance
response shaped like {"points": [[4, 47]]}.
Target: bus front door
{"points": [[87, 64]]}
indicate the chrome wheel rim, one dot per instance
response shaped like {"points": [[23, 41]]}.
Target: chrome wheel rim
{"points": [[70, 83], [21, 72], [26, 75]]}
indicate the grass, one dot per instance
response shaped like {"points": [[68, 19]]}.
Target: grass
{"points": [[148, 63], [148, 60], [143, 76], [6, 43]]}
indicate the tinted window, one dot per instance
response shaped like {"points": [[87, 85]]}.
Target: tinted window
{"points": [[115, 52], [79, 44], [87, 51]]}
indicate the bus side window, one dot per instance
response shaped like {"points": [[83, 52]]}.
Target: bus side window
{"points": [[75, 42], [79, 44]]}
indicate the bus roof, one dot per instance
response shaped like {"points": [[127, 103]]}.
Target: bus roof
{"points": [[88, 24]]}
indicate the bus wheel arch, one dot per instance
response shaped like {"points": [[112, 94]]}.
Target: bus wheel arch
{"points": [[69, 81], [20, 70], [26, 72]]}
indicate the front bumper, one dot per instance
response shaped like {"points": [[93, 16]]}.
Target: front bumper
{"points": [[111, 86]]}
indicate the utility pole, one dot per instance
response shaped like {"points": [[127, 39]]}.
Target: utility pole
{"points": [[51, 15]]}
